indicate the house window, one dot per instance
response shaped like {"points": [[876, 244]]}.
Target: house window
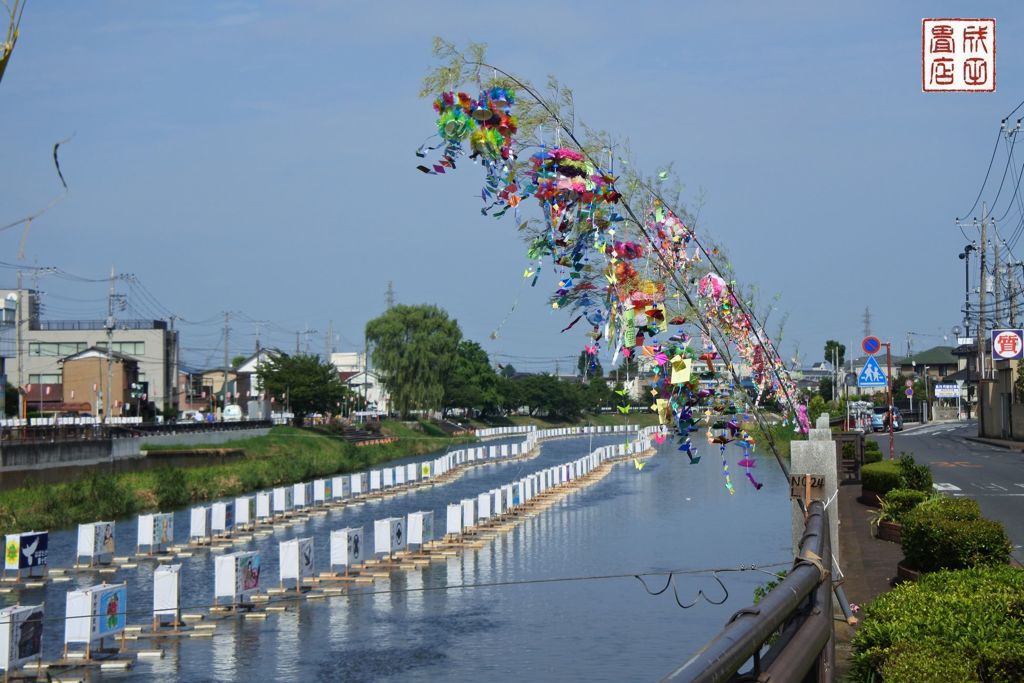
{"points": [[44, 379], [55, 349], [129, 348]]}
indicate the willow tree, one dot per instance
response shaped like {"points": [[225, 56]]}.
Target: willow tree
{"points": [[14, 20], [414, 350]]}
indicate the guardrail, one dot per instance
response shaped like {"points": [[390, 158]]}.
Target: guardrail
{"points": [[801, 606], [99, 431]]}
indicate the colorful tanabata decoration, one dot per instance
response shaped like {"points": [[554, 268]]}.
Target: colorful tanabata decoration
{"points": [[641, 285], [804, 424]]}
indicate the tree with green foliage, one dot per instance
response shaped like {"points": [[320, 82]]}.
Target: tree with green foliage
{"points": [[236, 361], [589, 366], [414, 350], [598, 395], [510, 395], [831, 348], [472, 383], [304, 383], [508, 370], [825, 388], [548, 395]]}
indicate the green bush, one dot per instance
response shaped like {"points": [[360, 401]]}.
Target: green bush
{"points": [[949, 626], [961, 509], [950, 534], [880, 477], [898, 502], [1002, 662], [171, 489], [872, 452], [928, 663], [914, 476]]}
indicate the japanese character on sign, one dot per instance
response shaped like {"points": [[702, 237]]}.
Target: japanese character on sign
{"points": [[942, 39], [1007, 344], [958, 55]]}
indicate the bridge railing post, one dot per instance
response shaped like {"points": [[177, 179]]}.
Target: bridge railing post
{"points": [[817, 455]]}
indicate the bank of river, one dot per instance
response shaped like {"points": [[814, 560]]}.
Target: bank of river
{"points": [[284, 456]]}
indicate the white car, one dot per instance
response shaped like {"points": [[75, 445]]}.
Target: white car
{"points": [[232, 413]]}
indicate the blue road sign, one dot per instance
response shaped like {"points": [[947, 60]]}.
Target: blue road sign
{"points": [[872, 375], [871, 345]]}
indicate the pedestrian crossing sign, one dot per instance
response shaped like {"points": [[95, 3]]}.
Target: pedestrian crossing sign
{"points": [[871, 375]]}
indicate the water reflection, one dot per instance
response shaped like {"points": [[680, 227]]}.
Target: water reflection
{"points": [[670, 515]]}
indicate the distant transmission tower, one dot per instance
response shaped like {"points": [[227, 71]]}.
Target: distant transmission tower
{"points": [[867, 321], [389, 295]]}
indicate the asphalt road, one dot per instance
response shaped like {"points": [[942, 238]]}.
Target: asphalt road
{"points": [[991, 475]]}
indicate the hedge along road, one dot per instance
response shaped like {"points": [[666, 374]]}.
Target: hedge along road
{"points": [[668, 515], [991, 475]]}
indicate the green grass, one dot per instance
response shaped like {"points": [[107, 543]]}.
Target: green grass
{"points": [[284, 456]]}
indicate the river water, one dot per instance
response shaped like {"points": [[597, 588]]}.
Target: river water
{"points": [[420, 627]]}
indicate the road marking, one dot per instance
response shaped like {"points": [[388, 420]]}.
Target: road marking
{"points": [[945, 487], [954, 463]]}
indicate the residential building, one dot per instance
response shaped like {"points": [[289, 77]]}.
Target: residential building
{"points": [[940, 361], [40, 346], [351, 367], [85, 378]]}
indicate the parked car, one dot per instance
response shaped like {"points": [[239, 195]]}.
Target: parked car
{"points": [[232, 413], [880, 419]]}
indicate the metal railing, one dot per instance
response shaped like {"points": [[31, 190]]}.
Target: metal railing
{"points": [[798, 610], [100, 431]]}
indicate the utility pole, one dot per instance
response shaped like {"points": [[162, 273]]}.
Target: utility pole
{"points": [[227, 331], [835, 374], [981, 299], [109, 325], [366, 369], [18, 348], [260, 394], [389, 295], [981, 317], [175, 397], [1012, 294], [1011, 281], [297, 333], [997, 303], [328, 348]]}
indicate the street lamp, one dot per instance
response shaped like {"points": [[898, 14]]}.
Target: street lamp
{"points": [[927, 402], [967, 286]]}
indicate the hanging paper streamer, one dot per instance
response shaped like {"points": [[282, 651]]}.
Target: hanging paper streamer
{"points": [[643, 286]]}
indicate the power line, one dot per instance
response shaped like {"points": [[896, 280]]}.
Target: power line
{"points": [[984, 182], [671, 574]]}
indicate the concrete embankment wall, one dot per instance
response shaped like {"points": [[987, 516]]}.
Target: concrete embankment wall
{"points": [[56, 461]]}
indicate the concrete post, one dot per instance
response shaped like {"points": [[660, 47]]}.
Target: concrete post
{"points": [[817, 455]]}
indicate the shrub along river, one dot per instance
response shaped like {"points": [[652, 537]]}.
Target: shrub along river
{"points": [[423, 625]]}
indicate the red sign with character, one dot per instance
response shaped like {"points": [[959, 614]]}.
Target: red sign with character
{"points": [[958, 55], [1008, 344]]}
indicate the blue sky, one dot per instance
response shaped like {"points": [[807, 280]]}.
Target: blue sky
{"points": [[258, 158]]}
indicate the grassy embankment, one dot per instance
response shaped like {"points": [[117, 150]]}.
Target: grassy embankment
{"points": [[286, 455]]}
